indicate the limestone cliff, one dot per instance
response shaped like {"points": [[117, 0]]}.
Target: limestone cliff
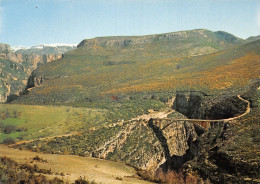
{"points": [[42, 54], [16, 67], [183, 43], [229, 153], [197, 105], [143, 145]]}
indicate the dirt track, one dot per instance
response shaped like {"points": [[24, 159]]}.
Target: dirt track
{"points": [[46, 138], [93, 169]]}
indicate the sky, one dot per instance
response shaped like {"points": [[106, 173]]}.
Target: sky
{"points": [[33, 22]]}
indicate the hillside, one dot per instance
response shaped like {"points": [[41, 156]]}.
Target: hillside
{"points": [[105, 67], [13, 74], [253, 38], [227, 152], [17, 66], [102, 100], [41, 54]]}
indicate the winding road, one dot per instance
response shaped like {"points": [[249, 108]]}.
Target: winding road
{"points": [[158, 115], [248, 109]]}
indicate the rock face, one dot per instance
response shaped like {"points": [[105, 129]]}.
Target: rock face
{"points": [[135, 144], [176, 41], [229, 153], [16, 67], [144, 145], [7, 54], [125, 41], [139, 143], [4, 48], [13, 73], [176, 140], [42, 54], [197, 105]]}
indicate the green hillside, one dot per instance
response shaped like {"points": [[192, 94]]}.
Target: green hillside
{"points": [[128, 77], [253, 38], [91, 92]]}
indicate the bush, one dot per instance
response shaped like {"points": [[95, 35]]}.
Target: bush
{"points": [[83, 181], [9, 129], [2, 125], [9, 140], [39, 159]]}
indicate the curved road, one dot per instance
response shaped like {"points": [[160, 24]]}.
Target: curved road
{"points": [[158, 115], [248, 109]]}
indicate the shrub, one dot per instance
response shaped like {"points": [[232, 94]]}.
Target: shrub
{"points": [[2, 125], [83, 181], [9, 140], [9, 129], [119, 178], [39, 159]]}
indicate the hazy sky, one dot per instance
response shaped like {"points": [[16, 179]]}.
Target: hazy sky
{"points": [[32, 22]]}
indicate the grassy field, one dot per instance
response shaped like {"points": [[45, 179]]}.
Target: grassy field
{"points": [[72, 167], [42, 121], [36, 121]]}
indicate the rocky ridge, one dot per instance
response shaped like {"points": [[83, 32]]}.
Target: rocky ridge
{"points": [[175, 41]]}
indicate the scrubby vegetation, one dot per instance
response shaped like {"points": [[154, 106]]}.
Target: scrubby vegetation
{"points": [[97, 88], [173, 177], [94, 75], [25, 122], [81, 144], [12, 172]]}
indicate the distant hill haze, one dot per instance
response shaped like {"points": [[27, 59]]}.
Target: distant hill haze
{"points": [[253, 38], [200, 59]]}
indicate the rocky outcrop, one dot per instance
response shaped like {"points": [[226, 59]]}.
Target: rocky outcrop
{"points": [[42, 54], [7, 54], [5, 48], [144, 145], [176, 140], [33, 81], [135, 144], [224, 159], [16, 67], [13, 73], [172, 39], [228, 153], [197, 105]]}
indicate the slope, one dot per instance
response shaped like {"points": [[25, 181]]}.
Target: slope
{"points": [[105, 67], [16, 67]]}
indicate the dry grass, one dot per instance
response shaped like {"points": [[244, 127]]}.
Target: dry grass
{"points": [[100, 171]]}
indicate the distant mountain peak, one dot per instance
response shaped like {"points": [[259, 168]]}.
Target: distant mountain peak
{"points": [[18, 47], [42, 46]]}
